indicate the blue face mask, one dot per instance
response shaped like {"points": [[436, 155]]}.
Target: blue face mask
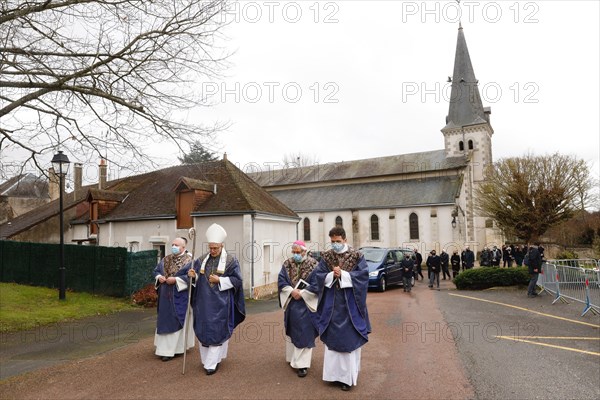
{"points": [[337, 247], [297, 257], [175, 250]]}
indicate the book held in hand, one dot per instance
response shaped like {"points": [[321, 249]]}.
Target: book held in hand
{"points": [[301, 284]]}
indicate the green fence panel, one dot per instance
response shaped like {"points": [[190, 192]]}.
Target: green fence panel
{"points": [[110, 272], [14, 262], [43, 264], [80, 263], [140, 267]]}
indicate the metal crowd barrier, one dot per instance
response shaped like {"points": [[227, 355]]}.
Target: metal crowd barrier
{"points": [[576, 280]]}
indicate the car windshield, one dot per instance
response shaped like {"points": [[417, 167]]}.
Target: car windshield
{"points": [[374, 255]]}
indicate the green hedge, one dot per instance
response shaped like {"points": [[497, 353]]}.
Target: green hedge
{"points": [[487, 277]]}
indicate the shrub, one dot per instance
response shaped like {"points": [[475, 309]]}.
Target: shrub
{"points": [[567, 255], [485, 278], [146, 296]]}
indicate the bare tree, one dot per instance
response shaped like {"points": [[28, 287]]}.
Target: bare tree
{"points": [[296, 160], [527, 195], [586, 187], [103, 77]]}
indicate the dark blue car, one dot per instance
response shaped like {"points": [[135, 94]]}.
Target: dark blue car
{"points": [[384, 266]]}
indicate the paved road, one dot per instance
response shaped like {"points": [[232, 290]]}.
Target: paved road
{"points": [[424, 345], [537, 350]]}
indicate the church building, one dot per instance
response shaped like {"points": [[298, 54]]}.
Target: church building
{"points": [[421, 200]]}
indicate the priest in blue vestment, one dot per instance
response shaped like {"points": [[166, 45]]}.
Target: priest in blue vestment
{"points": [[341, 281], [299, 305], [169, 336], [217, 300]]}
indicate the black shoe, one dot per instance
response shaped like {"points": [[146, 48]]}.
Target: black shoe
{"points": [[210, 371], [302, 372], [532, 295], [345, 387], [166, 358]]}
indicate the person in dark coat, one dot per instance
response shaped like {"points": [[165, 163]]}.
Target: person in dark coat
{"points": [[496, 256], [519, 255], [468, 258], [455, 262], [433, 266], [418, 261], [534, 263], [444, 261], [299, 305], [407, 265], [484, 258], [510, 257]]}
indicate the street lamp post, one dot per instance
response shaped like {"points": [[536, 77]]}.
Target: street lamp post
{"points": [[60, 163]]}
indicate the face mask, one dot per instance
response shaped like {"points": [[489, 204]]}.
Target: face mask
{"points": [[337, 247], [175, 250], [297, 257]]}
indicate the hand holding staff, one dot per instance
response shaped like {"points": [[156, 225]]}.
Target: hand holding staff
{"points": [[192, 275]]}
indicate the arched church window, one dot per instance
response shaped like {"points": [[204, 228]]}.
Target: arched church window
{"points": [[461, 145], [413, 226], [470, 145], [339, 222], [306, 230], [374, 227]]}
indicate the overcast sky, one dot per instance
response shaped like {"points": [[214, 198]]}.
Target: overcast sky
{"points": [[347, 80]]}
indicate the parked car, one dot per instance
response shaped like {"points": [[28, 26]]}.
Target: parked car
{"points": [[384, 266]]}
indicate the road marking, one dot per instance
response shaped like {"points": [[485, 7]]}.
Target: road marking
{"points": [[564, 337], [548, 345], [525, 309]]}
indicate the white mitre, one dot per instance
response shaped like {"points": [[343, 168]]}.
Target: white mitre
{"points": [[216, 234]]}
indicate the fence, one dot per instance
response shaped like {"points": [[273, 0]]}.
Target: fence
{"points": [[109, 271], [576, 280]]}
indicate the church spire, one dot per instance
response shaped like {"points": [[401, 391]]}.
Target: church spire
{"points": [[466, 107]]}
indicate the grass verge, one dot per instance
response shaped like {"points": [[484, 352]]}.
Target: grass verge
{"points": [[24, 307]]}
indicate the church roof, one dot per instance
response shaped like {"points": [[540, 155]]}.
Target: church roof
{"points": [[395, 194], [466, 107], [367, 168]]}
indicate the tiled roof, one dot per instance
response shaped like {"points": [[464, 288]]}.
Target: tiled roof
{"points": [[106, 195], [371, 167], [38, 215], [395, 194], [26, 185], [151, 195]]}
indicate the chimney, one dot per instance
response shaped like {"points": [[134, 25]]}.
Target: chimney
{"points": [[78, 176], [53, 182], [225, 156], [102, 174]]}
